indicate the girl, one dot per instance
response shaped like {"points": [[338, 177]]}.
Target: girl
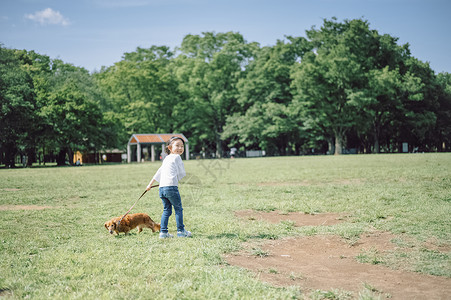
{"points": [[169, 175]]}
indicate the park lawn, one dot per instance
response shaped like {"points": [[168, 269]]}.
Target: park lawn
{"points": [[58, 247]]}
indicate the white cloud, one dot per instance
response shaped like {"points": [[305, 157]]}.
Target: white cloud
{"points": [[48, 16]]}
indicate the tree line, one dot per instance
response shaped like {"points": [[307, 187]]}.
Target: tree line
{"points": [[342, 86]]}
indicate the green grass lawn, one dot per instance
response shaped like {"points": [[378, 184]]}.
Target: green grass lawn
{"points": [[64, 251]]}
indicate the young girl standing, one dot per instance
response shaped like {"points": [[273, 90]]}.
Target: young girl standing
{"points": [[169, 175]]}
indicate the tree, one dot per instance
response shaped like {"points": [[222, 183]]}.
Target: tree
{"points": [[325, 77], [67, 116], [265, 118], [378, 102], [39, 68], [140, 91], [420, 94], [71, 112], [208, 70], [356, 79], [379, 98], [17, 105], [443, 125]]}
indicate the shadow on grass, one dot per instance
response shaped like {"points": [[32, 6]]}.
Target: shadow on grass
{"points": [[5, 292], [121, 236]]}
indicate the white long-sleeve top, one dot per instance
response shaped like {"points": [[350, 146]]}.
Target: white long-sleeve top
{"points": [[171, 171]]}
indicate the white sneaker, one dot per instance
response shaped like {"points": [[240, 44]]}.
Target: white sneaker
{"points": [[165, 235], [184, 233]]}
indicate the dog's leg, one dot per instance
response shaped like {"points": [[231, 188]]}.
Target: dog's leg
{"points": [[140, 229]]}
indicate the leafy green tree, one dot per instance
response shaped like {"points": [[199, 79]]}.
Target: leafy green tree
{"points": [[418, 118], [140, 91], [67, 115], [325, 77], [71, 112], [39, 68], [17, 105], [208, 70], [443, 128], [378, 102], [266, 117], [379, 97], [356, 79]]}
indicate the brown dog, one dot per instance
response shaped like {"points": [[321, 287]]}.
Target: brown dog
{"points": [[130, 222]]}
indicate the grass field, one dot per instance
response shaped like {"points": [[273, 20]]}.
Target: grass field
{"points": [[63, 251]]}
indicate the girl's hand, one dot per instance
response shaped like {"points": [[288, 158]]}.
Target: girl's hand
{"points": [[150, 185]]}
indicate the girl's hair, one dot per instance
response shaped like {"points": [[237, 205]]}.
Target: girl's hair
{"points": [[169, 143]]}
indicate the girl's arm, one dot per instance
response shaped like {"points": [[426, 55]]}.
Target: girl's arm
{"points": [[150, 184], [180, 169], [157, 177]]}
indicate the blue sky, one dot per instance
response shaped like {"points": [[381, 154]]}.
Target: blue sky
{"points": [[95, 33]]}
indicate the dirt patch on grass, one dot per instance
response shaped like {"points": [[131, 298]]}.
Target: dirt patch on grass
{"points": [[328, 262], [435, 245], [300, 219], [23, 207]]}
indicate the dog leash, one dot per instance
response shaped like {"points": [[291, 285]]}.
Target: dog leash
{"points": [[135, 204]]}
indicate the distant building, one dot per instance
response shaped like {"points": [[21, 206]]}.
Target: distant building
{"points": [[103, 156], [142, 142]]}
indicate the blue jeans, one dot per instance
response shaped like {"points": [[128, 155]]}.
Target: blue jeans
{"points": [[171, 197]]}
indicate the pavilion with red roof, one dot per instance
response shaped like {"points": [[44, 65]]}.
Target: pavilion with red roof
{"points": [[143, 141]]}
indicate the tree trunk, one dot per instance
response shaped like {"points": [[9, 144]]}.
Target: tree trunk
{"points": [[61, 157], [43, 153], [218, 145], [338, 145], [218, 148], [31, 153], [10, 153], [377, 147], [331, 146], [339, 142], [71, 156]]}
